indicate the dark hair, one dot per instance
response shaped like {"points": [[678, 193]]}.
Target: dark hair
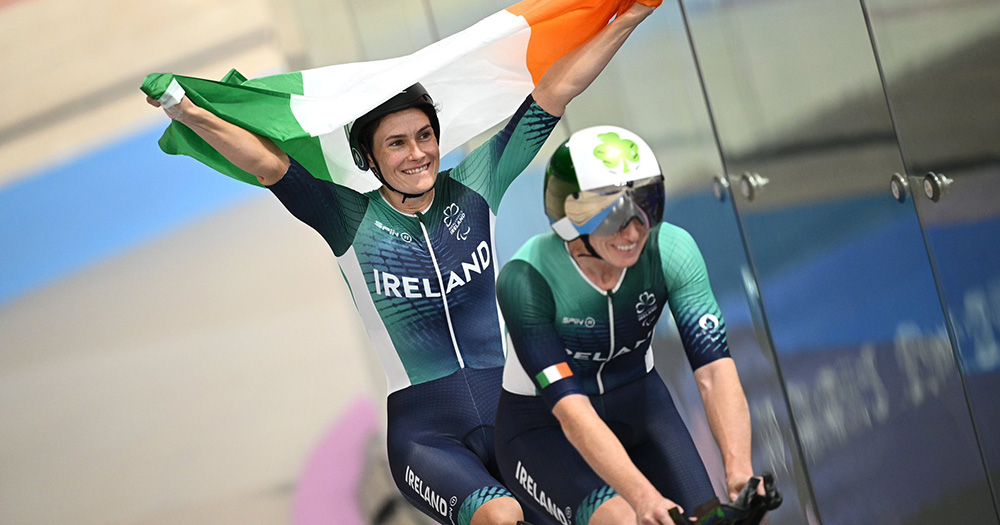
{"points": [[367, 135]]}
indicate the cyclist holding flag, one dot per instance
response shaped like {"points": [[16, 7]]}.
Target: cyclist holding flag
{"points": [[418, 255], [586, 431]]}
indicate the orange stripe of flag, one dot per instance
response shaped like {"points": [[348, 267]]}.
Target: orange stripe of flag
{"points": [[559, 26]]}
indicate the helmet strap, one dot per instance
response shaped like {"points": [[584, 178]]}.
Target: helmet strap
{"points": [[589, 247], [378, 175]]}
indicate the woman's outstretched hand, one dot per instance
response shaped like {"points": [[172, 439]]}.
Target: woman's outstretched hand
{"points": [[175, 112]]}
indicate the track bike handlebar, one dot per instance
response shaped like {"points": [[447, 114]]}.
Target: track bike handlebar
{"points": [[748, 509]]}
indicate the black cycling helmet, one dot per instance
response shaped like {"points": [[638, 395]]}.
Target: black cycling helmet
{"points": [[599, 180], [360, 132]]}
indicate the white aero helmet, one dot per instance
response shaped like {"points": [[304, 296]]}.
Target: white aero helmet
{"points": [[599, 180]]}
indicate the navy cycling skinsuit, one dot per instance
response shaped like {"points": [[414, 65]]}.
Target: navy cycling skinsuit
{"points": [[424, 285], [569, 337]]}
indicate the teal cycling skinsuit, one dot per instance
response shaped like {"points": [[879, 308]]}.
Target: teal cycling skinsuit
{"points": [[569, 337], [424, 285]]}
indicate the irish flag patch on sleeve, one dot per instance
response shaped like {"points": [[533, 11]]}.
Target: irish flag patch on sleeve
{"points": [[553, 373]]}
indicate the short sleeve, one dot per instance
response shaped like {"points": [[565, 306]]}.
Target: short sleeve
{"points": [[529, 310], [692, 303]]}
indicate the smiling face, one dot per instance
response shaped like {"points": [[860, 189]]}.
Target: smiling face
{"points": [[406, 150], [622, 249]]}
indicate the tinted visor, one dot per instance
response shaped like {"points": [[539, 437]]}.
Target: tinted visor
{"points": [[613, 207]]}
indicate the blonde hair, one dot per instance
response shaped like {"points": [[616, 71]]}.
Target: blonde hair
{"points": [[582, 206], [556, 193]]}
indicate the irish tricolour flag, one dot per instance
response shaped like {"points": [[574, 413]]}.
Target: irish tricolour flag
{"points": [[478, 77], [552, 374]]}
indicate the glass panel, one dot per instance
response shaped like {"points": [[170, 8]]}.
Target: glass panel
{"points": [[314, 33], [452, 16], [842, 269], [409, 23], [941, 66], [652, 88], [665, 105]]}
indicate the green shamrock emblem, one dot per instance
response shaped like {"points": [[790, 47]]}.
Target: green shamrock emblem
{"points": [[615, 151]]}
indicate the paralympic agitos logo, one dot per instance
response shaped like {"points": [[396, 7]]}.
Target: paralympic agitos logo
{"points": [[453, 218], [645, 309]]}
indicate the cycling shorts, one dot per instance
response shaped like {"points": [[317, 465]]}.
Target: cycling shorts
{"points": [[544, 470], [440, 444]]}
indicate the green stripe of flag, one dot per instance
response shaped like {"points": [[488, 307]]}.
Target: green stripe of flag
{"points": [[260, 105]]}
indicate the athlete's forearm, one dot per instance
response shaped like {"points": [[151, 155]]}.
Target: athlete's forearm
{"points": [[728, 417], [256, 155], [576, 70], [602, 450]]}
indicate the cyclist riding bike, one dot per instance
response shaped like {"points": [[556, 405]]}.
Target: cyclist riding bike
{"points": [[419, 257], [586, 430]]}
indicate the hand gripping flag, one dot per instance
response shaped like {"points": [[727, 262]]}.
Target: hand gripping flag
{"points": [[478, 78]]}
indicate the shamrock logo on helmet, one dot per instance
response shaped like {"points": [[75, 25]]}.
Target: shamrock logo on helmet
{"points": [[615, 151]]}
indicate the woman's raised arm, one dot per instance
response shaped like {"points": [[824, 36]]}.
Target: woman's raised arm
{"points": [[576, 70], [256, 155]]}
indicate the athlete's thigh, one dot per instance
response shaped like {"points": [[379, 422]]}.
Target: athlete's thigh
{"points": [[541, 467], [437, 439], [662, 448], [441, 477]]}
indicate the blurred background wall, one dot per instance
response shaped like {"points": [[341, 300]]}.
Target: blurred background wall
{"points": [[176, 348]]}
